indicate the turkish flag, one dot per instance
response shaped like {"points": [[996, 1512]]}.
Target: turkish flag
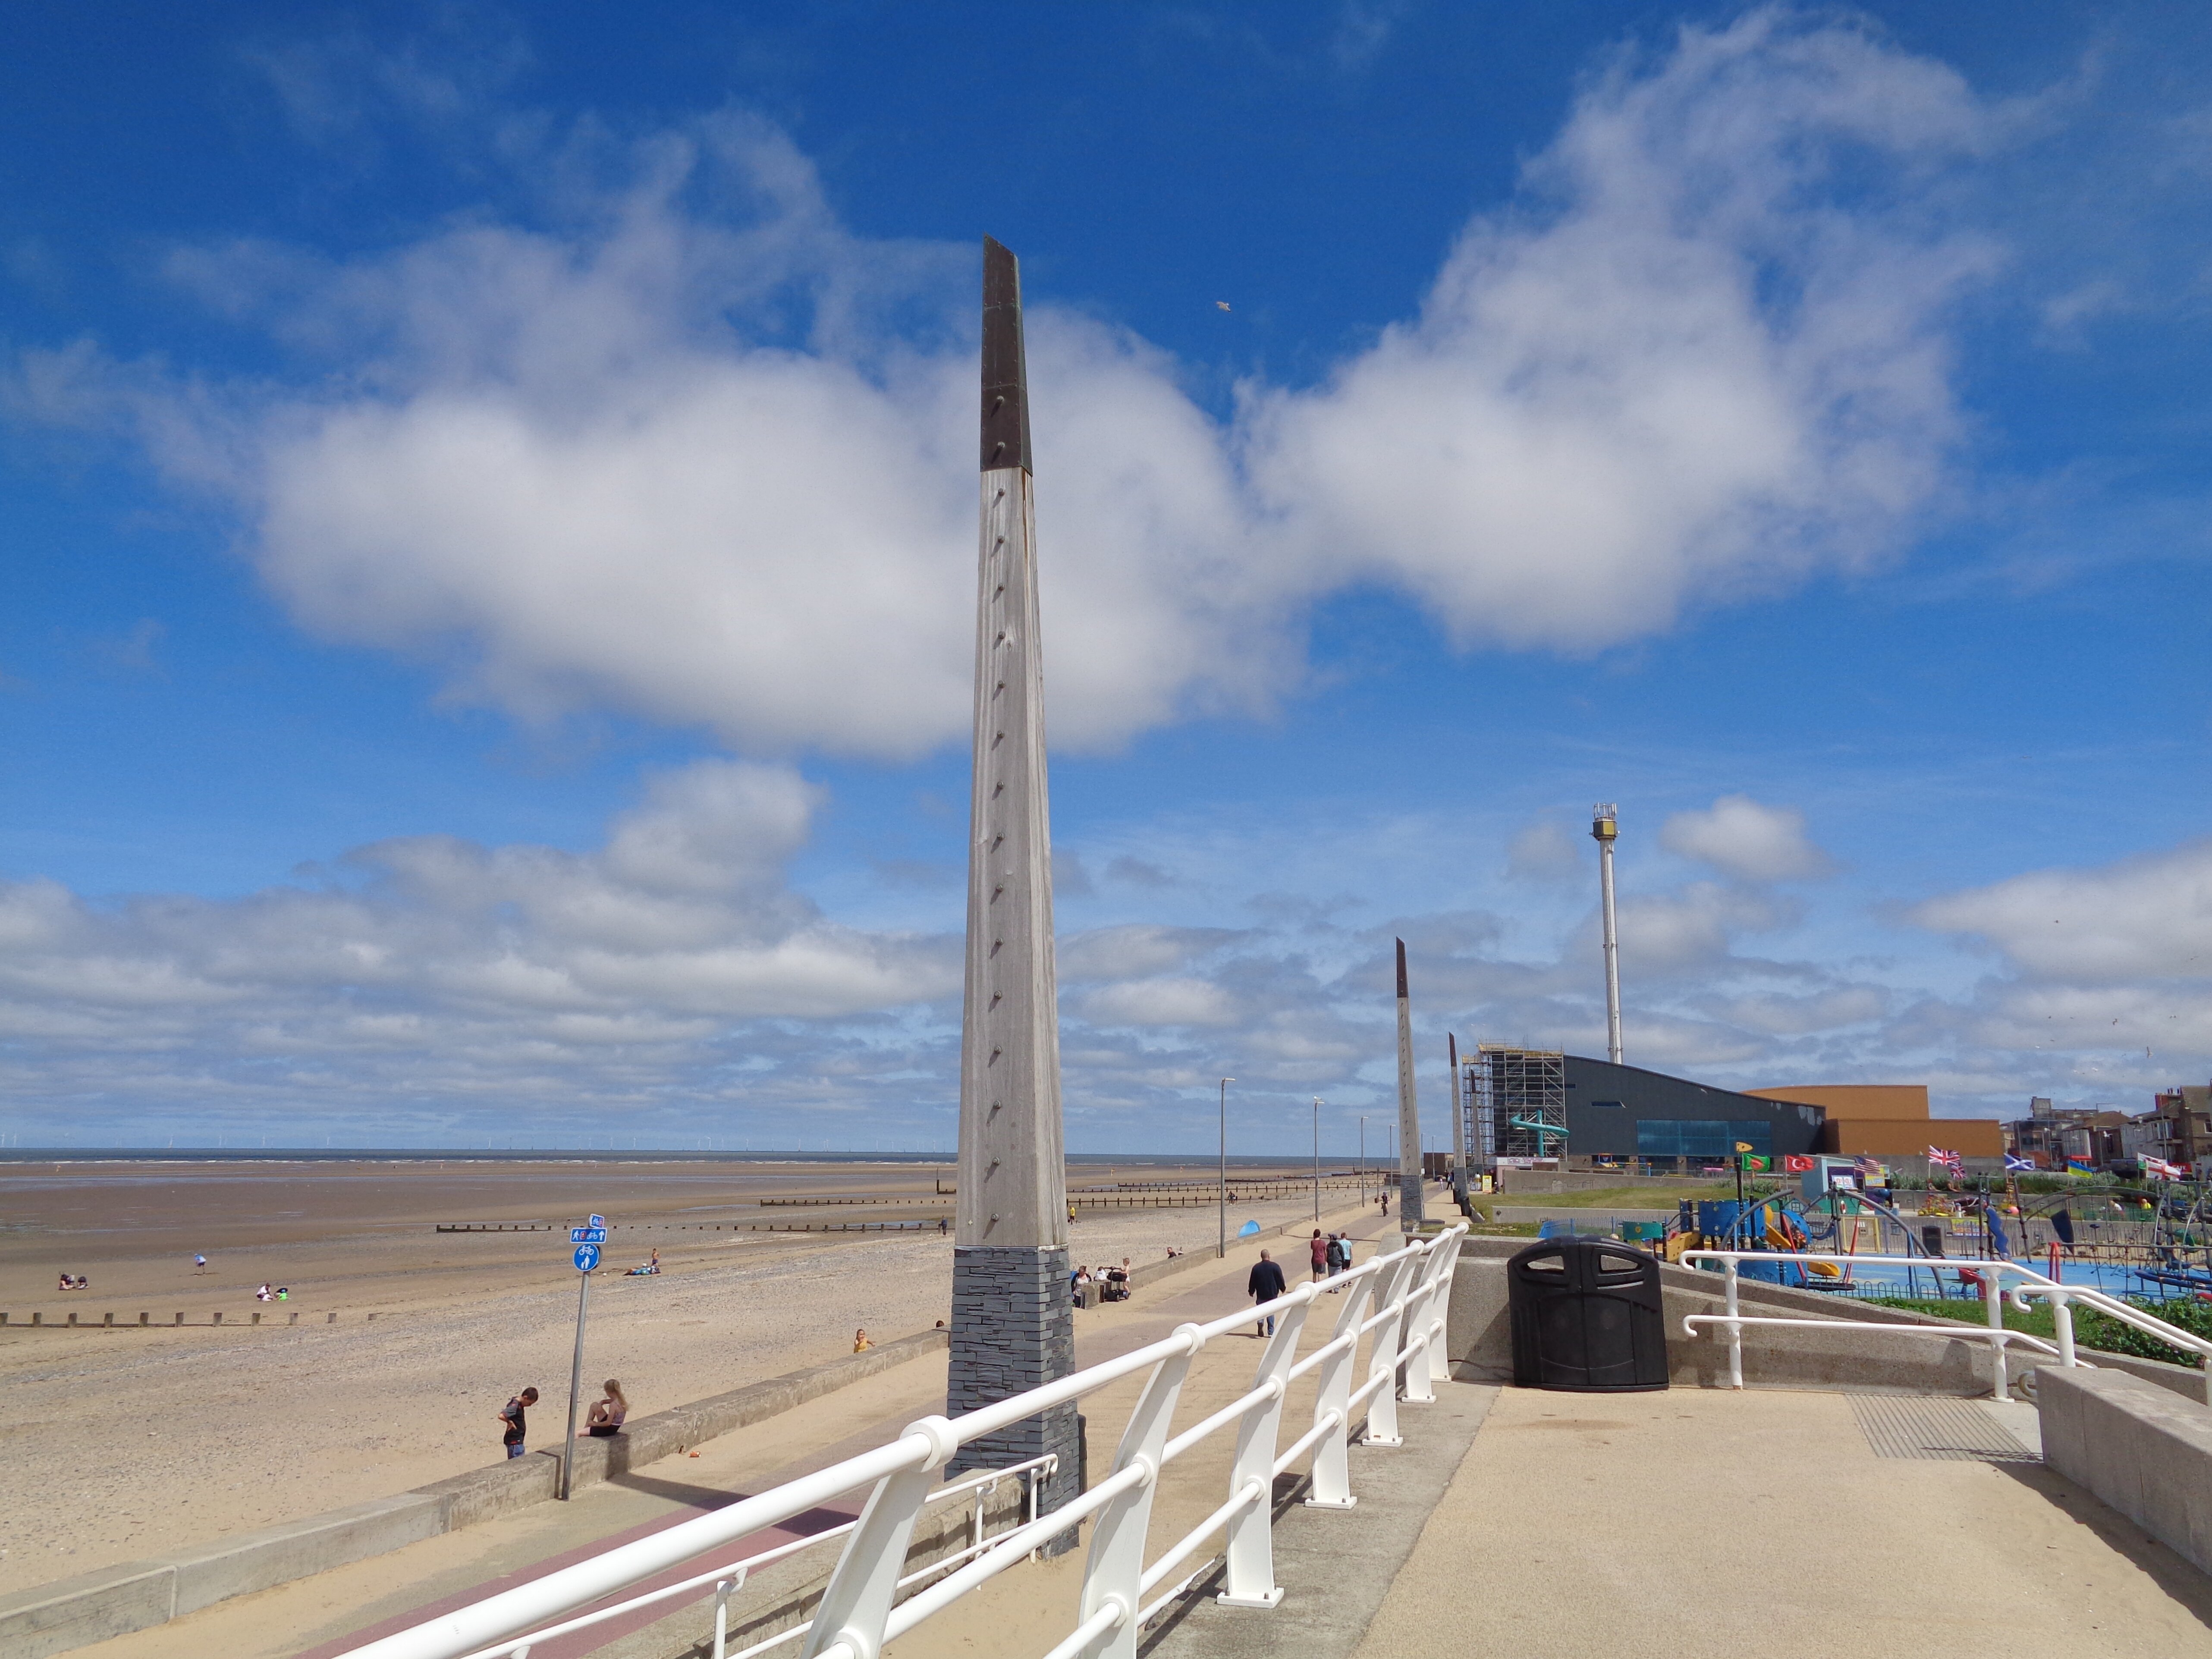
{"points": [[1797, 1162]]}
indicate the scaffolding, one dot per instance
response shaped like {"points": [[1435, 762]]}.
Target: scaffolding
{"points": [[1515, 1102]]}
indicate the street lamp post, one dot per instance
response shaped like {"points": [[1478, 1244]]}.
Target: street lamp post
{"points": [[1221, 1252], [1363, 1158]]}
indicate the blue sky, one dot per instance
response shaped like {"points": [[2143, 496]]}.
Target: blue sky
{"points": [[488, 508]]}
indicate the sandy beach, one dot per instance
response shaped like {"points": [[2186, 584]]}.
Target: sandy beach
{"points": [[137, 1440]]}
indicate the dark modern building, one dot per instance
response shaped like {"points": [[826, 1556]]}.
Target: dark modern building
{"points": [[1624, 1111], [1539, 1102]]}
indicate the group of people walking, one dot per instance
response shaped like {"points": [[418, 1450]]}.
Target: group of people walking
{"points": [[1330, 1253]]}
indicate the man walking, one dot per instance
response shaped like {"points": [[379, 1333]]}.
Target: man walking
{"points": [[513, 1414], [1265, 1284], [1317, 1248]]}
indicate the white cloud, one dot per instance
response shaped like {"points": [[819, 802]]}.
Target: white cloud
{"points": [[438, 971], [1669, 932], [1828, 1010], [2146, 917], [1544, 852], [712, 465], [1740, 837], [1159, 1002], [1683, 371], [1134, 950]]}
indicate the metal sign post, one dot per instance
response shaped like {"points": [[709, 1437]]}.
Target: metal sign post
{"points": [[587, 1240]]}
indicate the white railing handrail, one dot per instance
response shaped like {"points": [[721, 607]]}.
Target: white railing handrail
{"points": [[735, 1572], [1992, 1272], [1411, 1287]]}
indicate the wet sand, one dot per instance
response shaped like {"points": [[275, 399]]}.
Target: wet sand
{"points": [[139, 1440]]}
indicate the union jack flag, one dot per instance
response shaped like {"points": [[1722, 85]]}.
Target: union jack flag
{"points": [[1950, 1161]]}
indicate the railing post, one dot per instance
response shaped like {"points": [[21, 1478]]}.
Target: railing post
{"points": [[1332, 1463], [1993, 1303], [1734, 1330], [724, 1588], [1251, 1576], [1114, 1571], [1440, 1306], [1419, 1324], [858, 1598], [1413, 1365], [2062, 1319], [1382, 1358]]}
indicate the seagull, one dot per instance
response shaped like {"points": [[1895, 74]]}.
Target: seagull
{"points": [[1222, 305]]}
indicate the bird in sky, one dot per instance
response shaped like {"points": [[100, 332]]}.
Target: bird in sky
{"points": [[1222, 304]]}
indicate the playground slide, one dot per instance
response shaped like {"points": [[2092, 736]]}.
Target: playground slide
{"points": [[1782, 1240]]}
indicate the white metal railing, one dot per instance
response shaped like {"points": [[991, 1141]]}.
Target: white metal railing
{"points": [[730, 1579], [1399, 1301], [2062, 1298], [1992, 1275]]}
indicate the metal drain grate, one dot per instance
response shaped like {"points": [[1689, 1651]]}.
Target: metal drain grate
{"points": [[1917, 1425]]}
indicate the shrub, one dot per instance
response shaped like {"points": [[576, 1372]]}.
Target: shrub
{"points": [[2095, 1330]]}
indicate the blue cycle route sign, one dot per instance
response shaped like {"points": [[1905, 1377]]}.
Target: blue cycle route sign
{"points": [[594, 1234], [587, 1256]]}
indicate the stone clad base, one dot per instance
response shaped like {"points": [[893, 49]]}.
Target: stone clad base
{"points": [[1013, 1329]]}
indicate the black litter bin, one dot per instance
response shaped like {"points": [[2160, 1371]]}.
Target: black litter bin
{"points": [[1586, 1317]]}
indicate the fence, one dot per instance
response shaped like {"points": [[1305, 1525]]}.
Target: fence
{"points": [[1399, 1301], [1991, 1276], [146, 1321]]}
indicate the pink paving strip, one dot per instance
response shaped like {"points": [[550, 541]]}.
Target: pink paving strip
{"points": [[578, 1642]]}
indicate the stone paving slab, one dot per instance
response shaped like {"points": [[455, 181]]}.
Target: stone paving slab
{"points": [[1703, 1524], [1336, 1566]]}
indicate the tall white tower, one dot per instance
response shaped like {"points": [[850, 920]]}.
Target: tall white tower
{"points": [[1013, 1324], [1410, 1212], [1605, 830]]}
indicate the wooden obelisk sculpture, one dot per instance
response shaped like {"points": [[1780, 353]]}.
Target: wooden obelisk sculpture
{"points": [[1409, 1113], [1013, 1324]]}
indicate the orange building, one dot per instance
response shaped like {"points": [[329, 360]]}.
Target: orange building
{"points": [[1889, 1120]]}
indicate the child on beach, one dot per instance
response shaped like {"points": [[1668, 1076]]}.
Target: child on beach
{"points": [[861, 1343], [514, 1415], [605, 1420]]}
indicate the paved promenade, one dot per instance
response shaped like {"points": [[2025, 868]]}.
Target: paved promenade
{"points": [[327, 1615], [1544, 1526], [1697, 1523]]}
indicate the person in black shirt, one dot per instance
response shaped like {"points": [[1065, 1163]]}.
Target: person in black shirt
{"points": [[513, 1415], [1265, 1284]]}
